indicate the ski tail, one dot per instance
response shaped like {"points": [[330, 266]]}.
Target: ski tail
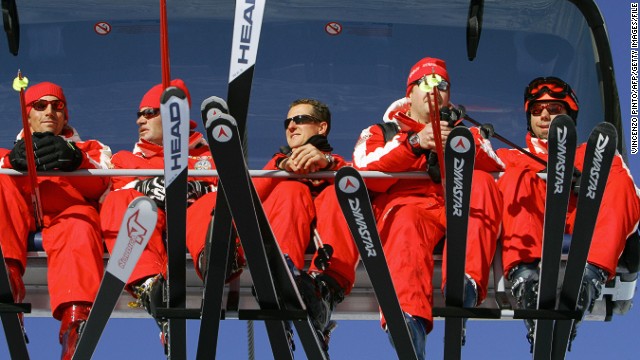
{"points": [[137, 226], [247, 26], [13, 332], [459, 157], [356, 207], [174, 108], [599, 155], [561, 144]]}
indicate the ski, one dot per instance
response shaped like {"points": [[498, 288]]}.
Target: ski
{"points": [[274, 285], [135, 231], [219, 241], [561, 145], [244, 52], [174, 108], [13, 331], [356, 207], [459, 157], [601, 149]]}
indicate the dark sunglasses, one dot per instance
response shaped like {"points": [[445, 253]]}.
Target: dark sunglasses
{"points": [[301, 119], [553, 86], [149, 113], [41, 105], [552, 108]]}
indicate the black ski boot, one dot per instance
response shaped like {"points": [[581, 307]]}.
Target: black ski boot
{"points": [[593, 280], [149, 296], [524, 279], [321, 293]]}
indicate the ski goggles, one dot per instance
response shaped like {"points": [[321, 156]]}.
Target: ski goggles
{"points": [[41, 105], [149, 113], [301, 119], [428, 82], [552, 108], [553, 86]]}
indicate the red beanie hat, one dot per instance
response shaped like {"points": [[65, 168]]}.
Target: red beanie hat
{"points": [[426, 66], [152, 97], [37, 91]]}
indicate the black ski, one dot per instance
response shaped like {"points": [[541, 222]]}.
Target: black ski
{"points": [[174, 108], [356, 207], [273, 282], [601, 149], [219, 240], [135, 231], [459, 157], [561, 149], [13, 332]]}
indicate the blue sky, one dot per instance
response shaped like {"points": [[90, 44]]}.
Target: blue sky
{"points": [[137, 338]]}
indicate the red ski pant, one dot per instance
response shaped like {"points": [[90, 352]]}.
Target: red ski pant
{"points": [[71, 238], [291, 211], [411, 229], [524, 193]]}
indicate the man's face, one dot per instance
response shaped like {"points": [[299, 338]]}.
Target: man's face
{"points": [[47, 114], [542, 113], [420, 104], [150, 125], [298, 134]]}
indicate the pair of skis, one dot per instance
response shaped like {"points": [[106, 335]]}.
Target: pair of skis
{"points": [[552, 338], [354, 200]]}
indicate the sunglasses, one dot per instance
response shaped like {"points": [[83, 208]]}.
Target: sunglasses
{"points": [[301, 119], [553, 86], [428, 82], [552, 108], [41, 105], [149, 113]]}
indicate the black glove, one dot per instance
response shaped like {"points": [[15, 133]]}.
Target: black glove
{"points": [[433, 169], [54, 152], [153, 188], [18, 156], [195, 189], [452, 115], [487, 131]]}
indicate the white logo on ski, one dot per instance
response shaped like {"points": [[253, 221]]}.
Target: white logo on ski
{"points": [[363, 229], [349, 184], [222, 133], [460, 144], [458, 177], [136, 233], [594, 174], [562, 159]]}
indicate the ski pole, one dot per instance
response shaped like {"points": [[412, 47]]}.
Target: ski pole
{"points": [[324, 251], [505, 140], [434, 115], [19, 84], [164, 45]]}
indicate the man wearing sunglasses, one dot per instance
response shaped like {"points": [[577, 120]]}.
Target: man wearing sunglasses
{"points": [[524, 195], [411, 213], [71, 226], [295, 206], [147, 279]]}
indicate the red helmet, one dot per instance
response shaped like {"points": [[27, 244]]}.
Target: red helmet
{"points": [[553, 89]]}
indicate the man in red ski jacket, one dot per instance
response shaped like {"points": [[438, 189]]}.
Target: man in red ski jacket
{"points": [[71, 227], [148, 276], [294, 206], [411, 214], [524, 196]]}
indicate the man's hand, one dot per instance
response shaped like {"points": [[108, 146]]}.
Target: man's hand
{"points": [[54, 152], [427, 137], [305, 159], [18, 156], [197, 188], [153, 188]]}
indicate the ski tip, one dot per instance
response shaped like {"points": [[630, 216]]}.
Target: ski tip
{"points": [[170, 92], [213, 102], [143, 199], [215, 114]]}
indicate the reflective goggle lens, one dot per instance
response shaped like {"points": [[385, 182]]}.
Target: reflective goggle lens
{"points": [[149, 113], [301, 119], [41, 105], [552, 108]]}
